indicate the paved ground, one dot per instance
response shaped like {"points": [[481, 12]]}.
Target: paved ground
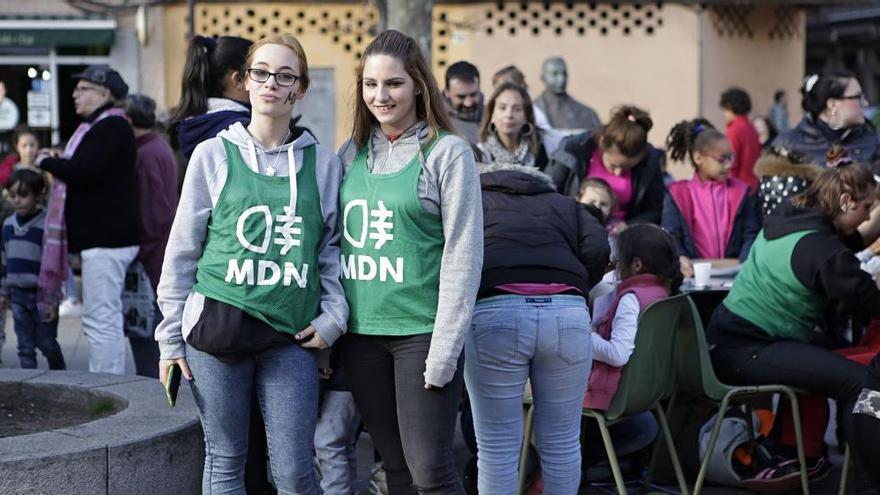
{"points": [[75, 348]]}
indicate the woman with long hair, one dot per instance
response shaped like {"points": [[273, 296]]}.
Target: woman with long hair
{"points": [[764, 330], [412, 248], [508, 133], [212, 92]]}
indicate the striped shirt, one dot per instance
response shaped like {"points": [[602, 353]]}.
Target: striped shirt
{"points": [[22, 250]]}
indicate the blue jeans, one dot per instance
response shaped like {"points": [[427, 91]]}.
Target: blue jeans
{"points": [[285, 380], [32, 332], [336, 443], [545, 339]]}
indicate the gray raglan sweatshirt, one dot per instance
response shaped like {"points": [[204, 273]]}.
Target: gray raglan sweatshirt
{"points": [[205, 178], [449, 185]]}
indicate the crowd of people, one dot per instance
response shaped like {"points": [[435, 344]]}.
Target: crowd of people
{"points": [[451, 248]]}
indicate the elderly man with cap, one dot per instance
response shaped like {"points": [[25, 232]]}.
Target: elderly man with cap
{"points": [[101, 212], [156, 170]]}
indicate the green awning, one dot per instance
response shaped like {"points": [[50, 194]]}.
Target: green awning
{"points": [[56, 32]]}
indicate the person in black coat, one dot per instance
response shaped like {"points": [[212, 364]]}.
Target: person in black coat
{"points": [[101, 210], [834, 105], [543, 252], [620, 154]]}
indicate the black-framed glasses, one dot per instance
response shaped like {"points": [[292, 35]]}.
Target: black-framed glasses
{"points": [[858, 96], [281, 78]]}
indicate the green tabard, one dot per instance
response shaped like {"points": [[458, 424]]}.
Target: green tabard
{"points": [[256, 257]]}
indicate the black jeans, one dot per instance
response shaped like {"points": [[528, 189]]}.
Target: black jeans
{"points": [[866, 447], [412, 428], [809, 367]]}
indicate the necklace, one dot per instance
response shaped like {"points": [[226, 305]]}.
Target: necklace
{"points": [[271, 170]]}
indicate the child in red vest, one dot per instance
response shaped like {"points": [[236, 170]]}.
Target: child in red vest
{"points": [[649, 270]]}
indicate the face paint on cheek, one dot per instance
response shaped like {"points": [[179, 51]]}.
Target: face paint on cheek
{"points": [[289, 99]]}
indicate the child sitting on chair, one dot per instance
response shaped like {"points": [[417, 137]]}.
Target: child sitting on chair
{"points": [[649, 270], [710, 216]]}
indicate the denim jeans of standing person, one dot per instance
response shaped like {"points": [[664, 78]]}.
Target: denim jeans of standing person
{"points": [[32, 332], [103, 276], [336, 442], [286, 382], [544, 339], [413, 428]]}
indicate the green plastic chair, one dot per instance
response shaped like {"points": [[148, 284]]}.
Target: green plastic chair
{"points": [[647, 378], [695, 375]]}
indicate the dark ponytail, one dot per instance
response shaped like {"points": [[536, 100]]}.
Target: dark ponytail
{"points": [[208, 62], [655, 248], [626, 130], [818, 88], [688, 136]]}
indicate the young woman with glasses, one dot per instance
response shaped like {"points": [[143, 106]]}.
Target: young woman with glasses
{"points": [[835, 104], [250, 285]]}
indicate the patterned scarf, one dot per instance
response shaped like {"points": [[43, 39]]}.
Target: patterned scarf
{"points": [[54, 263], [498, 153]]}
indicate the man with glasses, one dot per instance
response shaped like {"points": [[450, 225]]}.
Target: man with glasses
{"points": [[101, 210]]}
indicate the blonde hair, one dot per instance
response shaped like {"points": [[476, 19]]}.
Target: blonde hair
{"points": [[290, 41]]}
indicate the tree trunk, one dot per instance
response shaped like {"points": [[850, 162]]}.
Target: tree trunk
{"points": [[413, 18]]}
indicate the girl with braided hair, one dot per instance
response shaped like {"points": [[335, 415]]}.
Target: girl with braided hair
{"points": [[712, 215]]}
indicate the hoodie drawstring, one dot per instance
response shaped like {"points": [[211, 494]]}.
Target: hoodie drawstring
{"points": [[291, 165]]}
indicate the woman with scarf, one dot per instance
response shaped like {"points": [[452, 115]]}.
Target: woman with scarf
{"points": [[93, 205], [508, 133]]}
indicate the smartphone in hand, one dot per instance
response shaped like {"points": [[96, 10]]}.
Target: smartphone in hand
{"points": [[172, 383]]}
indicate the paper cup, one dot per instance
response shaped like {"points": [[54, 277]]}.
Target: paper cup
{"points": [[701, 274]]}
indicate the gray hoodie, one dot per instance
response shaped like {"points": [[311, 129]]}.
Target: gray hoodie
{"points": [[205, 178], [449, 185]]}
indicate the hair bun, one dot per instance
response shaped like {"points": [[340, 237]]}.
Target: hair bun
{"points": [[837, 156]]}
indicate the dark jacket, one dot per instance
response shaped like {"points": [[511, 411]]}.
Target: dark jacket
{"points": [[102, 207], [780, 178], [568, 166], [157, 181], [534, 235], [815, 139], [745, 228], [192, 131], [823, 261]]}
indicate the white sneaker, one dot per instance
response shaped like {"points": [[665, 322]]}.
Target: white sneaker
{"points": [[70, 308]]}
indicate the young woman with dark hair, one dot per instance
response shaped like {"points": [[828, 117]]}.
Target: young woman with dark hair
{"points": [[212, 93], [508, 133], [412, 251], [834, 103], [618, 153]]}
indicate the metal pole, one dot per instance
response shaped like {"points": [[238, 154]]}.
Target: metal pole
{"points": [[191, 12]]}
